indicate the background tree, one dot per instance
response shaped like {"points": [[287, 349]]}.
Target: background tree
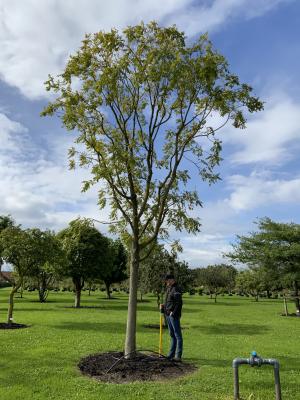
{"points": [[152, 272], [51, 261], [250, 282], [5, 222], [216, 278], [140, 102], [154, 269], [87, 253], [20, 251], [116, 272], [276, 248]]}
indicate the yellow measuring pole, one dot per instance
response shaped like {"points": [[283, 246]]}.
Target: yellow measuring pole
{"points": [[161, 308]]}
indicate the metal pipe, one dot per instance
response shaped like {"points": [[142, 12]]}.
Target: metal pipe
{"points": [[255, 361]]}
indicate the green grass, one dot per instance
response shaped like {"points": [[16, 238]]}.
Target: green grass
{"points": [[39, 362]]}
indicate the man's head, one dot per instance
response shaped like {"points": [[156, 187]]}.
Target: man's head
{"points": [[170, 279]]}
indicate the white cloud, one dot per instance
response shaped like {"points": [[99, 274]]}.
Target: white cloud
{"points": [[38, 36], [254, 191], [9, 130], [204, 249], [271, 137], [39, 192]]}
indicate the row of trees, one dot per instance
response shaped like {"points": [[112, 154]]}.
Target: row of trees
{"points": [[272, 255], [79, 252]]}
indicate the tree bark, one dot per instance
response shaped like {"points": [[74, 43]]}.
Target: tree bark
{"points": [[297, 300], [107, 286], [78, 287], [285, 307], [11, 304], [43, 290], [130, 340]]}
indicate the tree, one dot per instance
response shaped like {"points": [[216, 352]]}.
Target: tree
{"points": [[275, 248], [152, 272], [154, 269], [87, 253], [118, 265], [250, 282], [20, 251], [140, 105], [217, 277], [51, 261], [5, 222]]}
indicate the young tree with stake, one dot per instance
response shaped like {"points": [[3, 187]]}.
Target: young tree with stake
{"points": [[139, 103]]}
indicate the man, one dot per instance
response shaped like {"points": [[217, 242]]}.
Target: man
{"points": [[172, 309]]}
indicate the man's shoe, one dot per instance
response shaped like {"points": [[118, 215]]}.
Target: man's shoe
{"points": [[170, 358], [177, 359]]}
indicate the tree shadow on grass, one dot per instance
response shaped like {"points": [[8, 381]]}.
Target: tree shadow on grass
{"points": [[109, 327], [211, 303], [212, 363], [233, 329]]}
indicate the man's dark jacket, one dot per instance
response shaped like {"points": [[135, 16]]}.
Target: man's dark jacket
{"points": [[173, 301]]}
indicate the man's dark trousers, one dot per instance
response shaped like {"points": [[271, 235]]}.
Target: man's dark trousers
{"points": [[176, 337]]}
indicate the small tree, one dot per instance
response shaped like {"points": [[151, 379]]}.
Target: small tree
{"points": [[140, 102], [156, 266], [216, 278], [152, 271], [5, 222], [50, 263], [250, 282], [20, 251], [87, 253], [116, 272]]}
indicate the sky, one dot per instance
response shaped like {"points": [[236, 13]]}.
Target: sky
{"points": [[260, 168]]}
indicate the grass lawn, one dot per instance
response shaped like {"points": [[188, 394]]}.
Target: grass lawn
{"points": [[39, 362]]}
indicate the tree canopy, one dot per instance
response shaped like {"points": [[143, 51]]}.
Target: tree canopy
{"points": [[117, 270], [87, 253], [139, 103]]}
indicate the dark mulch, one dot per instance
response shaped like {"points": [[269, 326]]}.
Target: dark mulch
{"points": [[12, 326], [291, 315], [112, 367]]}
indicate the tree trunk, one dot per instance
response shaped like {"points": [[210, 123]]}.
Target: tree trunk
{"points": [[216, 297], [43, 290], [297, 300], [107, 286], [130, 341], [158, 300], [11, 304], [78, 287], [285, 307], [141, 297]]}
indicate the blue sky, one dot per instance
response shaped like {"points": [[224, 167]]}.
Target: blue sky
{"points": [[260, 172]]}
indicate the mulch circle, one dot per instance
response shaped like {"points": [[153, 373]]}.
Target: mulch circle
{"points": [[13, 325], [291, 315], [114, 368]]}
